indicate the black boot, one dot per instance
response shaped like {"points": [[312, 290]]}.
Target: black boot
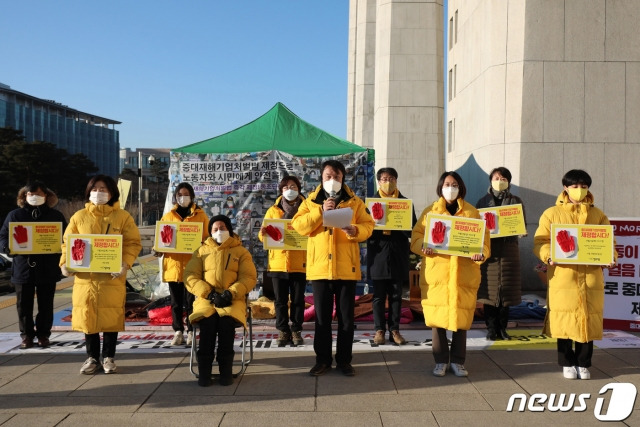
{"points": [[504, 321], [492, 322], [226, 374], [492, 335], [204, 372]]}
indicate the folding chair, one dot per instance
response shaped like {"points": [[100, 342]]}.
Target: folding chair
{"points": [[247, 341]]}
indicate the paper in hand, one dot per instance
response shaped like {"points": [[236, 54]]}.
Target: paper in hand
{"points": [[338, 218]]}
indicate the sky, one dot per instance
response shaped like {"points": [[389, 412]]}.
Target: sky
{"points": [[179, 72]]}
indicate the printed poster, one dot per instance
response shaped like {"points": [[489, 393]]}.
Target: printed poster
{"points": [[503, 221], [391, 213], [35, 237], [178, 237], [585, 244], [94, 253], [451, 235], [281, 235]]}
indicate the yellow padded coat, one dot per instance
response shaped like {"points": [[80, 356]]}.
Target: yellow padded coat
{"points": [[449, 284], [331, 254], [575, 298], [98, 299], [283, 260], [220, 267], [173, 264]]}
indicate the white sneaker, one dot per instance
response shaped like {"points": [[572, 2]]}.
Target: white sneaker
{"points": [[178, 338], [584, 374], [89, 366], [459, 370], [109, 365], [569, 372], [440, 369], [189, 338]]}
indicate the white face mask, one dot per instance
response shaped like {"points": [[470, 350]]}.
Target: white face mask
{"points": [[449, 193], [290, 195], [99, 197], [35, 200], [220, 236], [332, 186], [184, 201]]}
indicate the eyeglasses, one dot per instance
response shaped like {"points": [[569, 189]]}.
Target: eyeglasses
{"points": [[388, 179], [290, 187]]}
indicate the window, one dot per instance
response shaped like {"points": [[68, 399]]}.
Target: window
{"points": [[456, 27], [450, 33], [455, 80], [450, 84]]}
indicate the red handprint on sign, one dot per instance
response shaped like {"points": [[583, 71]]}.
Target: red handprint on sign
{"points": [[77, 251], [490, 219], [377, 211], [166, 234], [21, 236], [565, 240], [438, 232], [274, 232]]}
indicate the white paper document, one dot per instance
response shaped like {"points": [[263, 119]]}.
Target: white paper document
{"points": [[338, 218]]}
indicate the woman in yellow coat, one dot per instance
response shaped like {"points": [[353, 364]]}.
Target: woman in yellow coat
{"points": [[449, 284], [576, 292], [220, 274], [184, 210], [98, 298], [287, 268]]}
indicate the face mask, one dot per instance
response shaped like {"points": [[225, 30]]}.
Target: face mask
{"points": [[184, 201], [98, 197], [577, 194], [449, 193], [220, 236], [290, 195], [499, 185], [230, 204], [35, 200], [332, 186], [387, 187]]}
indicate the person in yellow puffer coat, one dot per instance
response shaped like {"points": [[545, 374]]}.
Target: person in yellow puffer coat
{"points": [[99, 298], [220, 274], [333, 264], [185, 210], [576, 292], [287, 268], [449, 283]]}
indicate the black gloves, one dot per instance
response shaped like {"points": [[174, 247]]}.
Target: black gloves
{"points": [[221, 300]]}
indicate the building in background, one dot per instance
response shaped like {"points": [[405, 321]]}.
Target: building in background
{"points": [[66, 128]]}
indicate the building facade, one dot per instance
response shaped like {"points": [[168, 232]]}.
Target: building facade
{"points": [[66, 128]]}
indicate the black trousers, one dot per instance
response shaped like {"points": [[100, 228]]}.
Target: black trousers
{"points": [[581, 356], [440, 346], [25, 294], [110, 340], [381, 290], [345, 295], [496, 318], [294, 286], [180, 299], [224, 329]]}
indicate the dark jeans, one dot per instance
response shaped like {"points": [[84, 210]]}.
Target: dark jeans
{"points": [[25, 294], [224, 329], [382, 289], [345, 295], [496, 318], [294, 285], [180, 299], [580, 357], [440, 346], [110, 339]]}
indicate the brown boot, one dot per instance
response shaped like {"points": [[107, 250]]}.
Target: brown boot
{"points": [[397, 338], [296, 336], [284, 338], [379, 337]]}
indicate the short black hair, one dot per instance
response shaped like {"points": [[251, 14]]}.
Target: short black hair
{"points": [[286, 179], [180, 187], [390, 171], [32, 187], [223, 218], [335, 165], [109, 182], [503, 171], [575, 177], [462, 189]]}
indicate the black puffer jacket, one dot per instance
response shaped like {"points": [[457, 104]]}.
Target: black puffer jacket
{"points": [[388, 253], [501, 272], [33, 268]]}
